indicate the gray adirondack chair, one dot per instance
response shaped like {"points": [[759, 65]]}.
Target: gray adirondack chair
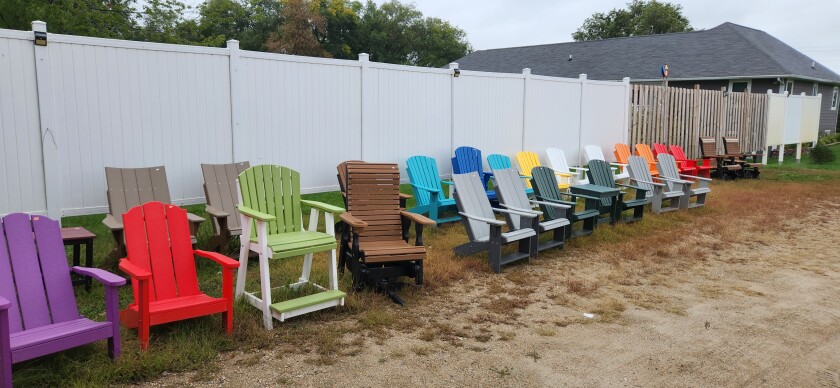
{"points": [[130, 187], [38, 311], [485, 231], [221, 192], [694, 187], [511, 194], [657, 192]]}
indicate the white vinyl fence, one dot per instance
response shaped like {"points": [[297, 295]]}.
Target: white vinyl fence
{"points": [[792, 119], [78, 104]]}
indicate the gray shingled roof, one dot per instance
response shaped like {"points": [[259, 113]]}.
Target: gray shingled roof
{"points": [[726, 51]]}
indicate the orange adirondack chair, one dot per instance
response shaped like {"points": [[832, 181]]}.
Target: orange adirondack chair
{"points": [[687, 167], [622, 155], [161, 264], [644, 151]]}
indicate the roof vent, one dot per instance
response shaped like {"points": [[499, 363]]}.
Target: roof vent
{"points": [[570, 57], [813, 65]]}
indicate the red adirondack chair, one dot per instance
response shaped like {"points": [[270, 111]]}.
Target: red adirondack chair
{"points": [[688, 167], [38, 312], [703, 169], [161, 264]]}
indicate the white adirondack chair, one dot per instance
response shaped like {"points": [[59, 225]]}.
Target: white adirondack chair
{"points": [[557, 162], [619, 170]]}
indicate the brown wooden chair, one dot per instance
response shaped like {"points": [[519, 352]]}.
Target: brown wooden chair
{"points": [[374, 243], [724, 168], [222, 194], [732, 147], [342, 183], [130, 187]]}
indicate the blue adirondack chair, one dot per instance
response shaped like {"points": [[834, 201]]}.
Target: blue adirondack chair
{"points": [[468, 159], [38, 311], [501, 162], [429, 196]]}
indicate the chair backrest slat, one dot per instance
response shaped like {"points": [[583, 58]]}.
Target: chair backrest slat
{"points": [[678, 152], [373, 196], [422, 170], [557, 160], [221, 190], [472, 199], [640, 169], [273, 190], [33, 300], [130, 187], [601, 174], [708, 146], [527, 161], [667, 167], [622, 153], [545, 186], [644, 151], [54, 269], [658, 149], [158, 240], [511, 191], [732, 146], [7, 282], [594, 152], [498, 162], [467, 159]]}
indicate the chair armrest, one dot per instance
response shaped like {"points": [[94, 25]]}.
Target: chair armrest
{"points": [[259, 216], [418, 218], [215, 212], [525, 176], [134, 271], [579, 168], [4, 304], [558, 201], [112, 223], [405, 196], [695, 177], [515, 210], [354, 222], [323, 206], [619, 164], [447, 182], [632, 187], [573, 195], [219, 258], [563, 174], [482, 219], [430, 189], [552, 204], [101, 275], [194, 218], [673, 180], [648, 182]]}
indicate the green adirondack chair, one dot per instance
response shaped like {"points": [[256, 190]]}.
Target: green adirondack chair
{"points": [[600, 173], [544, 182], [429, 196], [272, 226]]}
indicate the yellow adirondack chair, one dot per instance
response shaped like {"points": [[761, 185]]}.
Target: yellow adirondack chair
{"points": [[645, 152], [528, 160]]}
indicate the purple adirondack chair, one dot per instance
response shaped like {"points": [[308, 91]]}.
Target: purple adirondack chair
{"points": [[38, 313]]}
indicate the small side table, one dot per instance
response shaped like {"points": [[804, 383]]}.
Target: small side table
{"points": [[76, 237], [599, 192]]}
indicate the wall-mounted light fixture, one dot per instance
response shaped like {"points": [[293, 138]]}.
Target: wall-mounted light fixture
{"points": [[40, 38], [457, 73]]}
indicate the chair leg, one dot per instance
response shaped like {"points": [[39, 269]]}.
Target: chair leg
{"points": [[307, 266], [494, 252], [143, 335], [265, 288], [333, 271], [5, 350], [418, 276], [244, 250]]}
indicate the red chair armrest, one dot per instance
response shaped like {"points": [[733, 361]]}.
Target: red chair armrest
{"points": [[219, 258], [134, 271]]}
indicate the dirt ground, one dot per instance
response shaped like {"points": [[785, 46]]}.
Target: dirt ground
{"points": [[749, 300]]}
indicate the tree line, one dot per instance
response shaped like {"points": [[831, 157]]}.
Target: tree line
{"points": [[392, 32]]}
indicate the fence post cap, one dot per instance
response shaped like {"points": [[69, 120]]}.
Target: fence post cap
{"points": [[364, 57], [526, 70], [232, 43], [39, 26], [626, 80], [453, 65], [582, 76]]}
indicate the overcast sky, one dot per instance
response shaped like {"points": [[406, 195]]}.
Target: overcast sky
{"points": [[810, 26]]}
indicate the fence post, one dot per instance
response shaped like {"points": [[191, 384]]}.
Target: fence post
{"points": [[799, 143], [627, 97], [454, 67], [49, 144], [767, 147], [364, 60], [526, 73], [582, 79], [235, 99]]}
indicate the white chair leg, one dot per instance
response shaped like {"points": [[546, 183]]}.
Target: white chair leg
{"points": [[333, 271], [244, 250], [307, 267], [265, 288]]}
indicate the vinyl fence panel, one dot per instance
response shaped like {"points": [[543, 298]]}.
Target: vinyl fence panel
{"points": [[552, 116]]}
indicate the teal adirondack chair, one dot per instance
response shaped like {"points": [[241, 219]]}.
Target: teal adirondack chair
{"points": [[502, 162], [272, 226], [429, 196]]}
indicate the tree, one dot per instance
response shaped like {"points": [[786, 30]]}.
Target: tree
{"points": [[640, 18], [296, 35], [100, 18], [341, 36]]}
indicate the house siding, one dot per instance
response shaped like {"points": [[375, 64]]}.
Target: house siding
{"points": [[828, 117]]}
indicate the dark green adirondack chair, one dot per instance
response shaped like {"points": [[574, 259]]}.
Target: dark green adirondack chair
{"points": [[600, 173], [544, 182], [272, 226]]}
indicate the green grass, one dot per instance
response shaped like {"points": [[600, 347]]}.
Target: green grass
{"points": [[805, 163]]}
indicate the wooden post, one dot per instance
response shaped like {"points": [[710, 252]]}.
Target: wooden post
{"points": [[49, 140], [767, 147], [665, 110]]}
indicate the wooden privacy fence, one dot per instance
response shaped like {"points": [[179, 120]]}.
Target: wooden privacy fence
{"points": [[691, 113]]}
